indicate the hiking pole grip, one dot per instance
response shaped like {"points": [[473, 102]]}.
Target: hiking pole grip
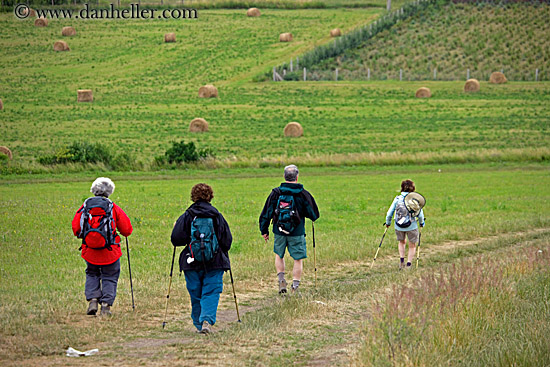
{"points": [[169, 286], [234, 295], [314, 255], [130, 272], [380, 245]]}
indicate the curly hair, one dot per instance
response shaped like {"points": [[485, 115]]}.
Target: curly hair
{"points": [[202, 191], [407, 186], [102, 186]]}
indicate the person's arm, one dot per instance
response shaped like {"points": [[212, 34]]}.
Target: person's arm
{"points": [[76, 222], [389, 214], [181, 235], [122, 221], [312, 211], [225, 238], [421, 220], [267, 213]]}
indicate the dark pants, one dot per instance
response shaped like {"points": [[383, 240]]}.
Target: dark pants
{"points": [[101, 282], [204, 289]]}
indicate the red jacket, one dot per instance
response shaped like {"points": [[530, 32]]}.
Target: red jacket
{"points": [[104, 256]]}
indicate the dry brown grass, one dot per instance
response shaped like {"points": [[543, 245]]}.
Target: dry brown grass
{"points": [[68, 31], [85, 95], [198, 125], [423, 92], [170, 37], [6, 151], [471, 86], [253, 12], [336, 32], [208, 91], [41, 22], [61, 46], [285, 37], [293, 130], [497, 78]]}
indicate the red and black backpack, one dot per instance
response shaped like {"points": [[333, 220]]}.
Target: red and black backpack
{"points": [[97, 225]]}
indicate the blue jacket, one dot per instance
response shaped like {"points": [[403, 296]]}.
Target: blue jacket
{"points": [[414, 224]]}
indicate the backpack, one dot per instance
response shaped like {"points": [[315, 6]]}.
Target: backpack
{"points": [[286, 215], [204, 244], [97, 225], [403, 218]]}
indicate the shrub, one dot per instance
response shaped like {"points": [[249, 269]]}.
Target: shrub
{"points": [[181, 152], [79, 152]]}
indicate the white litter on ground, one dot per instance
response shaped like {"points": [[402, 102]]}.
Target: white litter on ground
{"points": [[71, 352], [321, 303]]}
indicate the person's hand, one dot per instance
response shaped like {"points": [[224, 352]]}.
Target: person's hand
{"points": [[385, 224], [266, 237]]}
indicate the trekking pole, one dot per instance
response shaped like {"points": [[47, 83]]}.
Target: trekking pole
{"points": [[380, 245], [418, 249], [314, 257], [169, 286], [130, 271], [234, 295]]}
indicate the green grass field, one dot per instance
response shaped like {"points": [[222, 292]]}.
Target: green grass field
{"points": [[42, 273], [453, 38]]}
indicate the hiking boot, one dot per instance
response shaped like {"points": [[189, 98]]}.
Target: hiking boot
{"points": [[294, 290], [282, 287], [105, 309], [206, 328], [92, 307]]}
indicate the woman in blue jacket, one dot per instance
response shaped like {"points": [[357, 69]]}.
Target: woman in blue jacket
{"points": [[405, 225]]}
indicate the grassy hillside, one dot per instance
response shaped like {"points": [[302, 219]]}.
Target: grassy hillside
{"points": [[453, 38]]}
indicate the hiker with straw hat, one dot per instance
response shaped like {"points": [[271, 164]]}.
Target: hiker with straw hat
{"points": [[407, 207]]}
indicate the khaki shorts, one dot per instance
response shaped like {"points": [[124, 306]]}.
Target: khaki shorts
{"points": [[412, 235]]}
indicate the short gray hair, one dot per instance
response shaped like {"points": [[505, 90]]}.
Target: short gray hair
{"points": [[103, 186], [291, 173]]}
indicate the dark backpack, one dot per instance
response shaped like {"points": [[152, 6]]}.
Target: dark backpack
{"points": [[204, 244], [286, 216], [403, 218], [97, 225]]}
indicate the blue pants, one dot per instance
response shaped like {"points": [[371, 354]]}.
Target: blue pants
{"points": [[204, 289], [101, 282]]}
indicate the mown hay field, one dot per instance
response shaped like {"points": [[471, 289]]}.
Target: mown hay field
{"points": [[42, 307]]}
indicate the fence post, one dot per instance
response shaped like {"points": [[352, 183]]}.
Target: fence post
{"points": [[297, 60], [304, 74], [368, 74], [435, 73], [388, 5], [274, 74], [400, 75], [537, 75], [284, 72], [467, 74], [291, 65], [336, 75]]}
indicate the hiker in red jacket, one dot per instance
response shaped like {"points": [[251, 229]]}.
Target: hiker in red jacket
{"points": [[101, 244]]}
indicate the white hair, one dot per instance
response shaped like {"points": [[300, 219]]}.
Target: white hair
{"points": [[291, 173], [103, 186]]}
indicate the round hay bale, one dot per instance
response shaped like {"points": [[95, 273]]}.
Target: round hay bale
{"points": [[68, 31], [472, 85], [423, 92], [336, 32], [208, 91], [6, 151], [285, 37], [1, 105], [293, 130], [198, 125], [253, 12], [30, 13], [41, 22], [61, 46], [170, 37], [85, 95], [497, 78]]}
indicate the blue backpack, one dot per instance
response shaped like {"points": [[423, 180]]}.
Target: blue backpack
{"points": [[204, 244], [286, 214]]}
